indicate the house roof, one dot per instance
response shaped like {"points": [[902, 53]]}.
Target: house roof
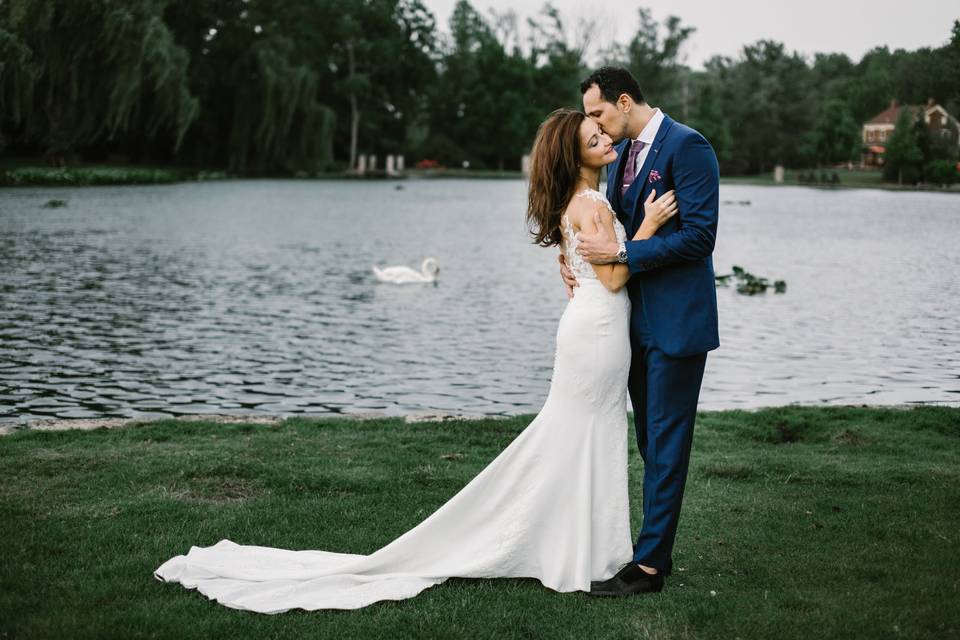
{"points": [[891, 113]]}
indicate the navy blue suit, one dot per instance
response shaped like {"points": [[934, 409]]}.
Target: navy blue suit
{"points": [[673, 321]]}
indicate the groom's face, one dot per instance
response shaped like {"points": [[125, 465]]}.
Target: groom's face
{"points": [[612, 120]]}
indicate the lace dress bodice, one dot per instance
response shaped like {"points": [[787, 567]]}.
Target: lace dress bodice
{"points": [[580, 267]]}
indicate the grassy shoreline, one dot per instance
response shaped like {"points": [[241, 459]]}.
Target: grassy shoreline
{"points": [[838, 522], [101, 175]]}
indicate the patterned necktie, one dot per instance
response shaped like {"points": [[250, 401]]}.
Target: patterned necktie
{"points": [[630, 171]]}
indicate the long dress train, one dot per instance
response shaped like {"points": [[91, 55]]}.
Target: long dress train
{"points": [[553, 505]]}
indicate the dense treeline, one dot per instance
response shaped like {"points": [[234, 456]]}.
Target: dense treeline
{"points": [[280, 86]]}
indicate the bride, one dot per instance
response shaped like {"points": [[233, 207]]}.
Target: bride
{"points": [[553, 505]]}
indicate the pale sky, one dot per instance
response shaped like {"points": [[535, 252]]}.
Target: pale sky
{"points": [[724, 26]]}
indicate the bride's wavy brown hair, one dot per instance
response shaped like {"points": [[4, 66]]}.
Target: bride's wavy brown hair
{"points": [[554, 169]]}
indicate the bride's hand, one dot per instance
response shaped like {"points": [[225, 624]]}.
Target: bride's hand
{"points": [[656, 213]]}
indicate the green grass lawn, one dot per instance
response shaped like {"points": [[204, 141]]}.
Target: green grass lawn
{"points": [[851, 178], [797, 523]]}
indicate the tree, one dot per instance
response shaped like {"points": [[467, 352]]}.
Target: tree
{"points": [[87, 72], [556, 58], [384, 54], [707, 114], [951, 54], [258, 86], [484, 108], [942, 172], [873, 86], [262, 109], [903, 159], [655, 59], [767, 101], [835, 135]]}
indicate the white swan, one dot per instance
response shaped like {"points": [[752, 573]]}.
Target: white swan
{"points": [[405, 275]]}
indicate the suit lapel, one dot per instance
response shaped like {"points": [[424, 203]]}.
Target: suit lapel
{"points": [[615, 179], [638, 189]]}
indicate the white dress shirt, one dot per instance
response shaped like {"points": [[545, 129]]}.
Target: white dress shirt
{"points": [[648, 135]]}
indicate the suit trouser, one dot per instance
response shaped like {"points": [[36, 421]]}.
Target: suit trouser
{"points": [[664, 391]]}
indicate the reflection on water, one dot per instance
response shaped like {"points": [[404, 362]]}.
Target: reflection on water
{"points": [[258, 296]]}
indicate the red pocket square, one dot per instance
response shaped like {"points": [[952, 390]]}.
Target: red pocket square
{"points": [[654, 176]]}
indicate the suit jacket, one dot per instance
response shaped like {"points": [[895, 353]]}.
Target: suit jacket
{"points": [[672, 287]]}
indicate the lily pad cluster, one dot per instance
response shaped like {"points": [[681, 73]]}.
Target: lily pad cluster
{"points": [[749, 284]]}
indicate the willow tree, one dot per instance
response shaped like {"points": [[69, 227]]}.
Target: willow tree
{"points": [[264, 109], [86, 72], [278, 122]]}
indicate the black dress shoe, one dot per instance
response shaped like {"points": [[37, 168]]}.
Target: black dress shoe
{"points": [[629, 580]]}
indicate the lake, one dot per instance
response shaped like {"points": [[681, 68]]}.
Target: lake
{"points": [[257, 296]]}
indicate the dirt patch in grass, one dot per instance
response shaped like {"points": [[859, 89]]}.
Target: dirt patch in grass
{"points": [[212, 490], [728, 471], [849, 437], [786, 433]]}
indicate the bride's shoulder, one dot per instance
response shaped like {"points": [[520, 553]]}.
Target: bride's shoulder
{"points": [[599, 205], [576, 206], [584, 215], [585, 204]]}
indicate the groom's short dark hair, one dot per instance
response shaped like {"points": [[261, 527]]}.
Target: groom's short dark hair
{"points": [[612, 82]]}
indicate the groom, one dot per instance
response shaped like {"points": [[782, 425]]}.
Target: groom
{"points": [[673, 297]]}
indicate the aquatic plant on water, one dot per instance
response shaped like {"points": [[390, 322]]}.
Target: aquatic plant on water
{"points": [[749, 284]]}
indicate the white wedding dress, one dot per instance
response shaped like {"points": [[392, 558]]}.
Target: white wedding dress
{"points": [[553, 505]]}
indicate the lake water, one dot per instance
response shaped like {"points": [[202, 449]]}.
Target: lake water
{"points": [[258, 296]]}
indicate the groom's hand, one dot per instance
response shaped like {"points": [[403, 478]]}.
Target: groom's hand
{"points": [[568, 278], [598, 247]]}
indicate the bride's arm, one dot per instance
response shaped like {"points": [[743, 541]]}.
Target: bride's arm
{"points": [[614, 275], [656, 212], [600, 247]]}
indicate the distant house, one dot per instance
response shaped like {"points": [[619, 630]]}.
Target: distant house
{"points": [[878, 130]]}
